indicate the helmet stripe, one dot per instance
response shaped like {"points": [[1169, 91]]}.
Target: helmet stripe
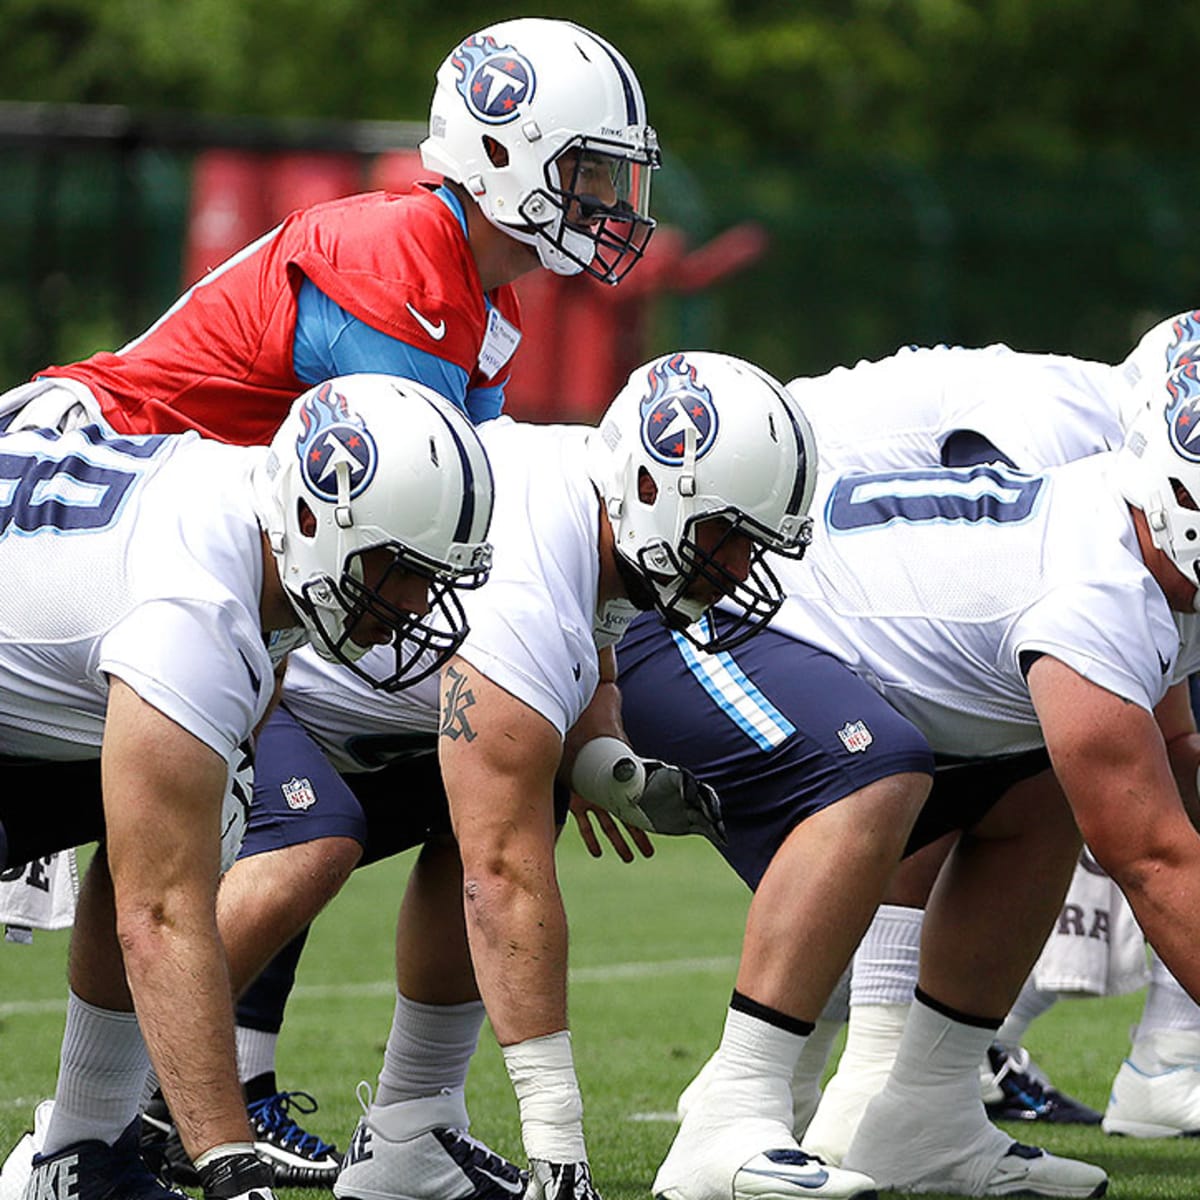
{"points": [[466, 514], [628, 84]]}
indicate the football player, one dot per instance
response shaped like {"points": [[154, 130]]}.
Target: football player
{"points": [[538, 128], [152, 585], [959, 406]]}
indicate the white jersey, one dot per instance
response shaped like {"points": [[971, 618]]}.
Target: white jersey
{"points": [[1039, 410], [934, 584], [131, 557], [532, 625]]}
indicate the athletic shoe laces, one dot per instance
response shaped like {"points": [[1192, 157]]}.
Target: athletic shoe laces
{"points": [[270, 1116]]}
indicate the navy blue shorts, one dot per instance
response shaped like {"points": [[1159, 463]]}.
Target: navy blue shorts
{"points": [[299, 797], [780, 729]]}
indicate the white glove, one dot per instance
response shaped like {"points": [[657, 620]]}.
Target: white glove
{"points": [[560, 1181], [646, 793]]}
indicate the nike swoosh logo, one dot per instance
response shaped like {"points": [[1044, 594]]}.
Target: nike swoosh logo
{"points": [[516, 1187], [437, 332], [817, 1179], [1163, 663]]}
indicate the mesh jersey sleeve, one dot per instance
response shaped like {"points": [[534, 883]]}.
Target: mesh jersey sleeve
{"points": [[200, 664]]}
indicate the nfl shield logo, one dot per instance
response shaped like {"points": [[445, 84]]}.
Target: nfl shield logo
{"points": [[856, 737], [298, 793]]}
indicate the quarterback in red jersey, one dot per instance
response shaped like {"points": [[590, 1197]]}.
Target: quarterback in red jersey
{"points": [[539, 130]]}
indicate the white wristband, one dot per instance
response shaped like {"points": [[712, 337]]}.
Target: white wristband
{"points": [[542, 1071], [608, 773]]}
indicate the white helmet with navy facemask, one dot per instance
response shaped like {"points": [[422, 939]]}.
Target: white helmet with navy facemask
{"points": [[544, 124], [695, 437], [1158, 465], [375, 463]]}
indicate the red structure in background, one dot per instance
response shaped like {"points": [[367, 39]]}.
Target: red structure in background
{"points": [[238, 196], [581, 339]]}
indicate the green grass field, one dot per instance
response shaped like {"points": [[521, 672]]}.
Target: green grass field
{"points": [[654, 951]]}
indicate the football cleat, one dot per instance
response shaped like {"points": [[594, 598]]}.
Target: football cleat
{"points": [[747, 1158], [908, 1148], [296, 1158], [423, 1161], [1014, 1090], [1159, 1095], [781, 1174], [93, 1170]]}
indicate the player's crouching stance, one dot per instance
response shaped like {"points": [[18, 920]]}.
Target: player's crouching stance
{"points": [[149, 588]]}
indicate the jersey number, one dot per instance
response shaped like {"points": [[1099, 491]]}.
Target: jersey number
{"points": [[67, 494], [972, 495]]}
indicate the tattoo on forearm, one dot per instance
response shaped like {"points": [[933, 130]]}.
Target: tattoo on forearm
{"points": [[457, 698]]}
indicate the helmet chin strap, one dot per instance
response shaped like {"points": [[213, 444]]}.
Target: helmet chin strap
{"points": [[551, 256]]}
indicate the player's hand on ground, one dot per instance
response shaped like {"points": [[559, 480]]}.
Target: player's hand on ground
{"points": [[236, 1177], [618, 834], [560, 1181]]}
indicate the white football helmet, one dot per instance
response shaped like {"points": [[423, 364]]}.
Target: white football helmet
{"points": [[694, 436], [373, 461], [1158, 466], [545, 125]]}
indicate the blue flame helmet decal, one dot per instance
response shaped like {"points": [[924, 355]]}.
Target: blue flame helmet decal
{"points": [[1183, 410], [675, 402], [1185, 331], [332, 434], [493, 80]]}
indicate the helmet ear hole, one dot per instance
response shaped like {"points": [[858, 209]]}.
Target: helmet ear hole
{"points": [[497, 153], [306, 519], [647, 488], [1183, 497]]}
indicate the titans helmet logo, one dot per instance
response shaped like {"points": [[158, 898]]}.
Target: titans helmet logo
{"points": [[1183, 410], [676, 402], [331, 434], [493, 80]]}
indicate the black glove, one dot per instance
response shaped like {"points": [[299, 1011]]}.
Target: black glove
{"points": [[560, 1181], [236, 1177], [676, 802]]}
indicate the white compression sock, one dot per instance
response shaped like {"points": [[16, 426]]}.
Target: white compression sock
{"points": [[428, 1050], [102, 1070], [1167, 1006], [883, 976], [1029, 1005], [885, 964]]}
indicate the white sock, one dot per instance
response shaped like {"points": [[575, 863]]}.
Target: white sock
{"points": [[102, 1070], [1167, 1006], [1030, 1005], [941, 1055], [255, 1052], [885, 964], [872, 1038], [428, 1050], [753, 1068], [810, 1066]]}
